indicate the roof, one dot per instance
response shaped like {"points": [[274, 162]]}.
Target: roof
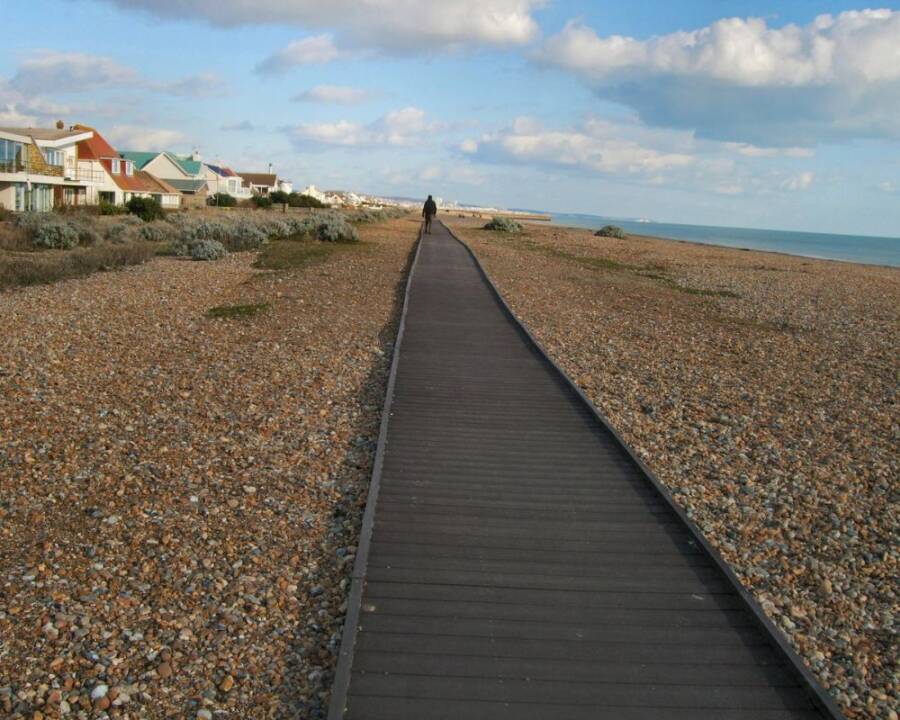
{"points": [[154, 184], [48, 134], [268, 179], [190, 166], [223, 171], [140, 159], [189, 185], [95, 147]]}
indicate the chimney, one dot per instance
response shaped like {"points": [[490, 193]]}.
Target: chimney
{"points": [[60, 124], [270, 168], [195, 155]]}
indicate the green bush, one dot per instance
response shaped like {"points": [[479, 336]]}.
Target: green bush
{"points": [[58, 235], [222, 200], [279, 197], [611, 231], [261, 201], [207, 250], [107, 208], [4, 213], [503, 224], [147, 209], [304, 201], [334, 228]]}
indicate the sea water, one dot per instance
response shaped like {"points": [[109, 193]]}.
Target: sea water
{"points": [[852, 248]]}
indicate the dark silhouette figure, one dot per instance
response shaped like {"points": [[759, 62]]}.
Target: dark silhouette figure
{"points": [[428, 212]]}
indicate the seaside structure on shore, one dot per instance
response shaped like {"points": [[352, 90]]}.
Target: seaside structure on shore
{"points": [[39, 168]]}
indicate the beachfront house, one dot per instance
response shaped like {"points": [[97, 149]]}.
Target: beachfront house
{"points": [[263, 184], [181, 173], [118, 179], [39, 168], [221, 179]]}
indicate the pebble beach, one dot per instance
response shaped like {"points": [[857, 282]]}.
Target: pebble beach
{"points": [[180, 494], [762, 390]]}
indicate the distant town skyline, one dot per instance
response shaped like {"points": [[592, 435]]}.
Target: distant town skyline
{"points": [[760, 114]]}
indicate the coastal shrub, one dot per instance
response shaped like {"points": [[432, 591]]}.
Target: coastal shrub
{"points": [[207, 250], [88, 236], [301, 226], [261, 201], [244, 235], [208, 230], [118, 233], [304, 201], [334, 228], [279, 197], [222, 200], [31, 221], [276, 229], [370, 216], [154, 232], [503, 224], [611, 231], [107, 208], [147, 209], [37, 268], [58, 236]]}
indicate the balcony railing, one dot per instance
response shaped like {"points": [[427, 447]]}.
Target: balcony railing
{"points": [[16, 165]]}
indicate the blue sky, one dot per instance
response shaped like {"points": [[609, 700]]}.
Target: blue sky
{"points": [[762, 114]]}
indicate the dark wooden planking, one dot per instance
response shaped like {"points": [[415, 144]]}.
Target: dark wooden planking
{"points": [[517, 561]]}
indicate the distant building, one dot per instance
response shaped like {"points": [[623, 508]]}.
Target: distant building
{"points": [[260, 183]]}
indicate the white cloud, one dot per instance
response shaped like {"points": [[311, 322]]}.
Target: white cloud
{"points": [[754, 151], [398, 128], [195, 86], [135, 137], [799, 182], [11, 116], [385, 24], [48, 72], [469, 146], [61, 72], [739, 79], [334, 94], [596, 147], [888, 186], [314, 50]]}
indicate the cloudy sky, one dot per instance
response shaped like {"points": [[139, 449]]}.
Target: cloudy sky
{"points": [[764, 114]]}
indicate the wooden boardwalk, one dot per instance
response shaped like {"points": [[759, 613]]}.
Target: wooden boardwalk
{"points": [[517, 562]]}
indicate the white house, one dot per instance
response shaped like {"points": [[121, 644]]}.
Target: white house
{"points": [[39, 168]]}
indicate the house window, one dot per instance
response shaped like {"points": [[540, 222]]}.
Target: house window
{"points": [[232, 187], [11, 156], [53, 157], [129, 167], [20, 197], [116, 167]]}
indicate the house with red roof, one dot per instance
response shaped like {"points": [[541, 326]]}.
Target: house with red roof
{"points": [[119, 179]]}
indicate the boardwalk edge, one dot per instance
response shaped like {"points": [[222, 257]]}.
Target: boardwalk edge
{"points": [[819, 696], [341, 683]]}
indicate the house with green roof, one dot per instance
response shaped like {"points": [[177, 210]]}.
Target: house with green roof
{"points": [[185, 173]]}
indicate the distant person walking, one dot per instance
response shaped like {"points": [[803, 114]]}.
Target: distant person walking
{"points": [[428, 212]]}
